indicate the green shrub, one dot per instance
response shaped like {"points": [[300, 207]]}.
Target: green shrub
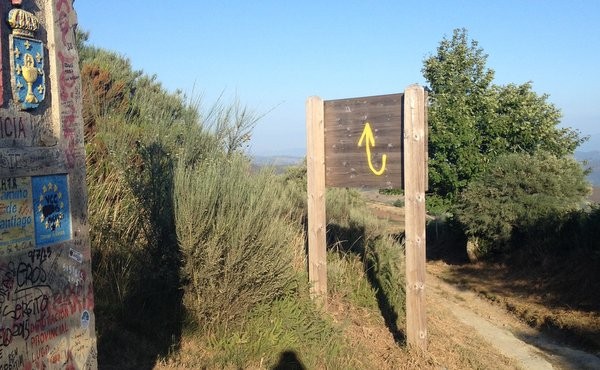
{"points": [[235, 237], [515, 194], [399, 203], [437, 205], [136, 133], [290, 324], [116, 238], [348, 280], [385, 269], [391, 191], [349, 221], [562, 234], [294, 182]]}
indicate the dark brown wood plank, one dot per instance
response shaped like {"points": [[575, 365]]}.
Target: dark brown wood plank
{"points": [[347, 163]]}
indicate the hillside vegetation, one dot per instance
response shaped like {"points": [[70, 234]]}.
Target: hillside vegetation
{"points": [[189, 241], [500, 165], [199, 258]]}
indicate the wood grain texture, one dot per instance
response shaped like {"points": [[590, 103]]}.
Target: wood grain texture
{"points": [[347, 164], [315, 161], [415, 159]]}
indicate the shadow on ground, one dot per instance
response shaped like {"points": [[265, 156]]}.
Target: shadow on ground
{"points": [[145, 323], [352, 240], [554, 290], [288, 360], [446, 242]]}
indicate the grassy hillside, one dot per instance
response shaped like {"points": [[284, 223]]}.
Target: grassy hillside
{"points": [[189, 242]]}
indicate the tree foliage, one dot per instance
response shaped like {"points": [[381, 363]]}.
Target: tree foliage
{"points": [[516, 193], [472, 121]]}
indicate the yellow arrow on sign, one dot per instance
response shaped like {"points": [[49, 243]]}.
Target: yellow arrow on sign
{"points": [[367, 135]]}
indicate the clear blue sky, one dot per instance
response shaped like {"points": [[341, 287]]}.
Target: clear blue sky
{"points": [[274, 54]]}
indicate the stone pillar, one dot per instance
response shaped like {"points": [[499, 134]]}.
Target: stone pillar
{"points": [[46, 296]]}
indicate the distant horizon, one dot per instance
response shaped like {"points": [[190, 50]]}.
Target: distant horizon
{"points": [[592, 145], [294, 155], [271, 56]]}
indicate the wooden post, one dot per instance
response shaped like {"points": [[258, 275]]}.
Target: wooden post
{"points": [[414, 192], [315, 162]]}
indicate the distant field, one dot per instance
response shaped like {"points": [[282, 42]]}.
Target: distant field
{"points": [[592, 162], [595, 197], [279, 163]]}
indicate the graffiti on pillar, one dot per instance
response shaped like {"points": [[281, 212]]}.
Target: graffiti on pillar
{"points": [[47, 316]]}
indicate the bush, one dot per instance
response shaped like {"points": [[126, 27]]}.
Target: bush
{"points": [[136, 133], [350, 225], [391, 191], [236, 239], [562, 235], [289, 325], [516, 193], [437, 205]]}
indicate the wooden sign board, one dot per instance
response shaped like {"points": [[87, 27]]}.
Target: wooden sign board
{"points": [[376, 142], [46, 299], [363, 142]]}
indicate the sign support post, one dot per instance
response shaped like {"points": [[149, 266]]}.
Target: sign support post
{"points": [[315, 163], [415, 173]]}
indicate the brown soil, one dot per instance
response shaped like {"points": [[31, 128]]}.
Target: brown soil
{"points": [[486, 292], [393, 215], [452, 343], [512, 314], [466, 331], [526, 300]]}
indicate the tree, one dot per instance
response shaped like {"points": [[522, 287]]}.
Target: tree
{"points": [[472, 121], [460, 89], [525, 122]]}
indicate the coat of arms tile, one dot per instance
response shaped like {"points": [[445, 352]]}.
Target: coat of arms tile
{"points": [[26, 60]]}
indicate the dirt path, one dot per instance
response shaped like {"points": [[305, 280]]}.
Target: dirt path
{"points": [[452, 307], [452, 344], [529, 348]]}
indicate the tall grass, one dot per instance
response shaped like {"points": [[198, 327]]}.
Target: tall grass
{"points": [[236, 239], [354, 235], [288, 325]]}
